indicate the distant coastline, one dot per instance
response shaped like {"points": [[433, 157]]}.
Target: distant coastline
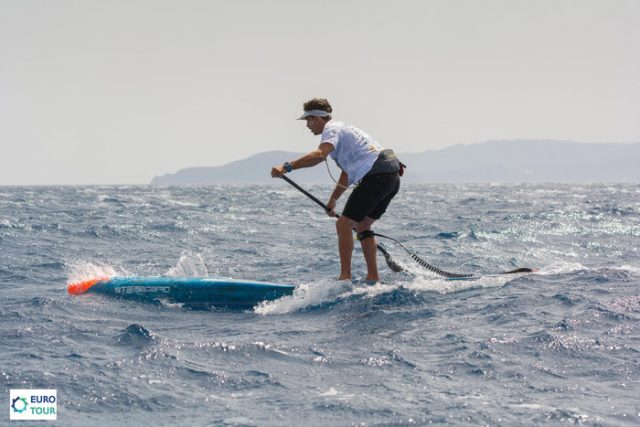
{"points": [[505, 161]]}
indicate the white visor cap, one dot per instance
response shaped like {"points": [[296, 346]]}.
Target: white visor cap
{"points": [[319, 113]]}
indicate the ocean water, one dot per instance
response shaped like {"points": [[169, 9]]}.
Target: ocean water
{"points": [[561, 346]]}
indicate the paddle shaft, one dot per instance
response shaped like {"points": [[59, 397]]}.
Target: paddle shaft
{"points": [[309, 195]]}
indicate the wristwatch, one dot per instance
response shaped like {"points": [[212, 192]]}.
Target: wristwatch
{"points": [[287, 167]]}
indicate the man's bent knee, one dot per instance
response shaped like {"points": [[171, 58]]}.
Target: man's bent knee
{"points": [[344, 224]]}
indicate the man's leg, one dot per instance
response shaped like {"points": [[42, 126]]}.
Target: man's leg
{"points": [[369, 249], [344, 227]]}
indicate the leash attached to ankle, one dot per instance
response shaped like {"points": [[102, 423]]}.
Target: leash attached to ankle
{"points": [[365, 235]]}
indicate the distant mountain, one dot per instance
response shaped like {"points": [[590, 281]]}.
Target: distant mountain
{"points": [[529, 161], [493, 161], [253, 170]]}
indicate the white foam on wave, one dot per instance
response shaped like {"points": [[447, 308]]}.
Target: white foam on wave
{"points": [[561, 268], [190, 264], [442, 286], [81, 270], [332, 393], [305, 295], [371, 291], [315, 293]]}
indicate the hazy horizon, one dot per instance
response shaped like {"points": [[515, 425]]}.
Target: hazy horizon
{"points": [[119, 92]]}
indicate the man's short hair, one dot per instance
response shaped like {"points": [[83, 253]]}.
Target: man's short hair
{"points": [[318, 104]]}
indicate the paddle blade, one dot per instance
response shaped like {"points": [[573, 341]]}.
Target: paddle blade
{"points": [[394, 266], [520, 270], [79, 288]]}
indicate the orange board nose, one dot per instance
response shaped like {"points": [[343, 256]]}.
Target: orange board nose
{"points": [[82, 287]]}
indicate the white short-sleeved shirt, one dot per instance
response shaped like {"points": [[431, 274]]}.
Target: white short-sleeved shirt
{"points": [[355, 151]]}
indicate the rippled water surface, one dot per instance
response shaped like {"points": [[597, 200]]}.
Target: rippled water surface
{"points": [[561, 345]]}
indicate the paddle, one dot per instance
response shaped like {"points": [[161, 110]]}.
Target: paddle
{"points": [[390, 262]]}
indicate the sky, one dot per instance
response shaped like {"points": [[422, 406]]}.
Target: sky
{"points": [[120, 91]]}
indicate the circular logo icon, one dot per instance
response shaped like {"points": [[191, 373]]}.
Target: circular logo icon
{"points": [[19, 404]]}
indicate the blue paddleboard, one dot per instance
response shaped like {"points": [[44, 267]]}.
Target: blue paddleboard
{"points": [[192, 290]]}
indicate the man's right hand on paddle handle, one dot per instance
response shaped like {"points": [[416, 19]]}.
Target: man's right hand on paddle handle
{"points": [[331, 207]]}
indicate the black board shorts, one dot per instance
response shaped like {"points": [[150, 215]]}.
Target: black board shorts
{"points": [[372, 196]]}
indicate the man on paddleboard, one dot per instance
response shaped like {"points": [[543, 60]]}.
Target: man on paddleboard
{"points": [[363, 162]]}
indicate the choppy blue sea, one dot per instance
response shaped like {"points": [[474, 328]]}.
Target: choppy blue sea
{"points": [[558, 346]]}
